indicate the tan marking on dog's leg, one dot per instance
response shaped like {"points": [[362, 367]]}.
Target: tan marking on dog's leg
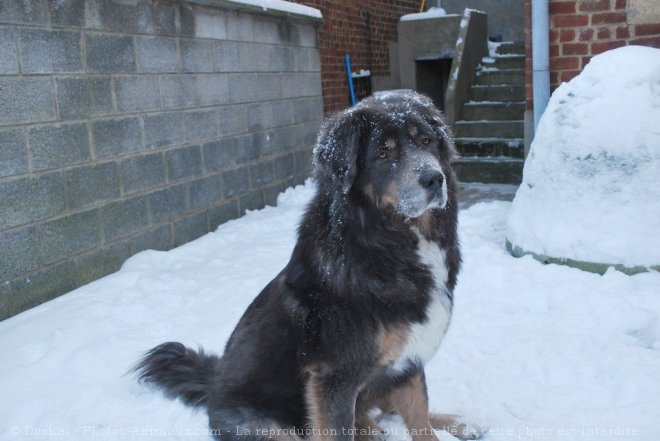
{"points": [[410, 402], [367, 430], [317, 410], [454, 425]]}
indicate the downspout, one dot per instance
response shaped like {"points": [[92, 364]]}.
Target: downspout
{"points": [[540, 58]]}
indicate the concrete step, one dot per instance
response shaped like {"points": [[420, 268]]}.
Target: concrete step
{"points": [[489, 129], [511, 147], [511, 47], [500, 77], [497, 93], [495, 170], [513, 110], [508, 62]]}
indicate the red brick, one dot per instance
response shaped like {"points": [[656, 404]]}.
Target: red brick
{"points": [[586, 34], [570, 21], [608, 18], [585, 61], [564, 63], [568, 75], [622, 32], [554, 77], [599, 48], [604, 33], [647, 29], [561, 8], [553, 35], [554, 50], [566, 35], [648, 41], [575, 49], [595, 5], [620, 4]]}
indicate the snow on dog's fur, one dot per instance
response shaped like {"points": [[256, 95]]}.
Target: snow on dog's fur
{"points": [[363, 303]]}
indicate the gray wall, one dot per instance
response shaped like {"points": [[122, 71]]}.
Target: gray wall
{"points": [[505, 17], [126, 126]]}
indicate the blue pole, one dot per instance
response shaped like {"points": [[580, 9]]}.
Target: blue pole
{"points": [[347, 58]]}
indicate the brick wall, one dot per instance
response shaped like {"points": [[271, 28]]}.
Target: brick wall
{"points": [[129, 126], [580, 29], [344, 31]]}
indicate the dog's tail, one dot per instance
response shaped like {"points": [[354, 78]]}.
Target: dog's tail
{"points": [[179, 371]]}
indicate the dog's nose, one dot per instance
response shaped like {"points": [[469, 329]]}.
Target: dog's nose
{"points": [[431, 180]]}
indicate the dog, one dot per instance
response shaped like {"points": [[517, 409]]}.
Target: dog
{"points": [[361, 306]]}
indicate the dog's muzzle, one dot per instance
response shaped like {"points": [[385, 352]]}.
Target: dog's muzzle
{"points": [[433, 181]]}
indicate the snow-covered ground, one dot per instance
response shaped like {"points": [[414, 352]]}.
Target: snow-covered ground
{"points": [[533, 352]]}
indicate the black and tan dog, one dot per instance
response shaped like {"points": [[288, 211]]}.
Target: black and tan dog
{"points": [[364, 302]]}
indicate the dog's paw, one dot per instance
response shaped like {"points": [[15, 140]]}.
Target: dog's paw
{"points": [[465, 431]]}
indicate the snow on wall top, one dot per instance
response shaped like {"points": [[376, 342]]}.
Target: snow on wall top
{"points": [[433, 12], [282, 6], [591, 183]]}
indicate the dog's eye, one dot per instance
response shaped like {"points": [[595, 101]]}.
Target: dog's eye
{"points": [[383, 154], [426, 140]]}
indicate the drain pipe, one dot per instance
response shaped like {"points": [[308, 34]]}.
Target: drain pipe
{"points": [[540, 58]]}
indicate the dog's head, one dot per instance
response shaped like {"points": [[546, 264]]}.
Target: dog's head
{"points": [[393, 150]]}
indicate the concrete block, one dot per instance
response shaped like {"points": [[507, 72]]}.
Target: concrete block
{"points": [[210, 24], [242, 87], [125, 217], [183, 162], [13, 153], [136, 17], [68, 13], [184, 20], [83, 97], [247, 148], [254, 57], [115, 137], [26, 100], [157, 55], [139, 173], [236, 181], [163, 129], [308, 35], [281, 139], [219, 155], [309, 109], [272, 192], [205, 192], [200, 125], [136, 93], [283, 167], [254, 200], [268, 87], [227, 57], [8, 64], [261, 174], [232, 120], [266, 31], [56, 146], [159, 238], [212, 89], [30, 199], [92, 184], [197, 55], [222, 213], [45, 51], [302, 161], [177, 91], [98, 263], [29, 12], [168, 204], [282, 113], [190, 228], [240, 26], [70, 235], [260, 116], [280, 59], [19, 252], [109, 53], [29, 291]]}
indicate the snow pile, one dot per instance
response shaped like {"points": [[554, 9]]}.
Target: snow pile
{"points": [[591, 183], [282, 6], [433, 12], [534, 351]]}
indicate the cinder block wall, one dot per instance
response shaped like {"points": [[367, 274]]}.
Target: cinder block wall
{"points": [[126, 127]]}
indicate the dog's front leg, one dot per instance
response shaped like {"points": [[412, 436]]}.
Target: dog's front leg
{"points": [[410, 400], [331, 402]]}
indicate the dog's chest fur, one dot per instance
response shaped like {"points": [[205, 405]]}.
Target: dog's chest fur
{"points": [[424, 337]]}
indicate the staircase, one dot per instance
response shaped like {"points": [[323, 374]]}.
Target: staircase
{"points": [[490, 135]]}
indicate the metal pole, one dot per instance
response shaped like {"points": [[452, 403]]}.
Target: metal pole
{"points": [[540, 58]]}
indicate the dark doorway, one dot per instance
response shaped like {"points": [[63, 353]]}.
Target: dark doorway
{"points": [[432, 77]]}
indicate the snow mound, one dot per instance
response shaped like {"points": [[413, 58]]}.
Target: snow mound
{"points": [[591, 183]]}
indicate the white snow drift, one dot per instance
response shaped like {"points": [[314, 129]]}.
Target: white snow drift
{"points": [[591, 184]]}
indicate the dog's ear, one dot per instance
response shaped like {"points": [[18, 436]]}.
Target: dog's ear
{"points": [[338, 145], [443, 132]]}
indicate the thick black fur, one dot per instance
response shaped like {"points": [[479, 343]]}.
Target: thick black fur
{"points": [[354, 272]]}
